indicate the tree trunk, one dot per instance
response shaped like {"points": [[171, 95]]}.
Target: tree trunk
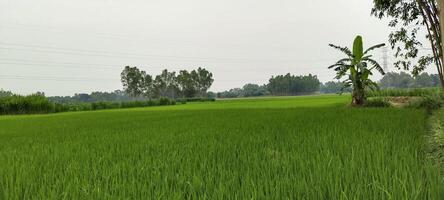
{"points": [[358, 97], [441, 26]]}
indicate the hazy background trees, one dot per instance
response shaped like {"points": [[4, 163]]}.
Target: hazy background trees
{"points": [[185, 84], [283, 85], [405, 80]]}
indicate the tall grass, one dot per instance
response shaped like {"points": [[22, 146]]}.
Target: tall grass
{"points": [[30, 104], [289, 148], [414, 92], [38, 104]]}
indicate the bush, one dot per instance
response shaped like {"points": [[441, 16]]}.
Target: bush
{"points": [[37, 103], [164, 101], [31, 104], [429, 102], [377, 102]]}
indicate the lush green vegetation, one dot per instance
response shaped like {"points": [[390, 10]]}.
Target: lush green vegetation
{"points": [[31, 104], [39, 104], [185, 84], [413, 92], [357, 68], [280, 85], [312, 147], [405, 80]]}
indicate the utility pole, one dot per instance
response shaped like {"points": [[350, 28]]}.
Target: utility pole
{"points": [[385, 58]]}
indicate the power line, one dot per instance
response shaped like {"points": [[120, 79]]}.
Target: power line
{"points": [[160, 57], [52, 78]]}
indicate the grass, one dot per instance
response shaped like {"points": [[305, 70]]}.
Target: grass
{"points": [[413, 92], [274, 148]]}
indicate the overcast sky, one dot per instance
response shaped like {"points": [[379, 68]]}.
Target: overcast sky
{"points": [[62, 47]]}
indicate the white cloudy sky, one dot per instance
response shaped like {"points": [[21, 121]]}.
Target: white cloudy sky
{"points": [[64, 47]]}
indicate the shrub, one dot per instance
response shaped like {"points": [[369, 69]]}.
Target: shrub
{"points": [[31, 104], [416, 92], [164, 101], [37, 103], [377, 102], [428, 102]]}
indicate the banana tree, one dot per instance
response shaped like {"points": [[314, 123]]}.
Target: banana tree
{"points": [[357, 68]]}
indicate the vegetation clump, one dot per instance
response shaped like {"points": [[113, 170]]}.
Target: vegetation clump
{"points": [[377, 102]]}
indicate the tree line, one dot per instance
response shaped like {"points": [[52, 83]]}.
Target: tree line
{"points": [[405, 80], [168, 84], [282, 85], [114, 96], [401, 80], [38, 103]]}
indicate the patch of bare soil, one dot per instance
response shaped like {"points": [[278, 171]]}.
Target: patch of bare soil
{"points": [[400, 101]]}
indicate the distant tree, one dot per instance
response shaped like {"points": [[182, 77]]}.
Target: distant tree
{"points": [[204, 80], [293, 85], [133, 81], [115, 96], [211, 95], [165, 84], [4, 93], [232, 93], [423, 80], [82, 97], [333, 87], [396, 80], [405, 80], [253, 90], [187, 85], [148, 87], [355, 66]]}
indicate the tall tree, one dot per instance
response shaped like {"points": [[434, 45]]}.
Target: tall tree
{"points": [[133, 81], [148, 86], [356, 67], [165, 84], [187, 85], [204, 80], [408, 17]]}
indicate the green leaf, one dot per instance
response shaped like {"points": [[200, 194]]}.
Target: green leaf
{"points": [[358, 50], [342, 49], [374, 47]]}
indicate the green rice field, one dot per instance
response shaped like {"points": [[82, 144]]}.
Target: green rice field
{"points": [[312, 147]]}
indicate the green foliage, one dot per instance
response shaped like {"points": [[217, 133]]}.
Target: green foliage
{"points": [[254, 90], [333, 87], [115, 96], [165, 85], [39, 104], [186, 84], [4, 93], [231, 93], [413, 92], [408, 18], [281, 85], [405, 80], [204, 80], [133, 81], [356, 68], [269, 148], [285, 85], [377, 102], [30, 104], [428, 102]]}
